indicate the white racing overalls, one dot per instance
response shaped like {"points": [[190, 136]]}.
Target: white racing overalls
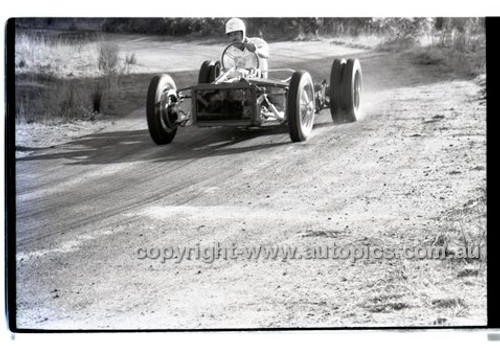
{"points": [[246, 59]]}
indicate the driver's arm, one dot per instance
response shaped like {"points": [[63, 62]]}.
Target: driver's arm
{"points": [[258, 46]]}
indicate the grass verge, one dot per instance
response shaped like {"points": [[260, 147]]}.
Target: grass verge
{"points": [[60, 79], [463, 55]]}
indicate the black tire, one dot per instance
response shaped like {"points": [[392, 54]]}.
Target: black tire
{"points": [[214, 71], [204, 74], [161, 121], [209, 71], [351, 88], [335, 95], [300, 106]]}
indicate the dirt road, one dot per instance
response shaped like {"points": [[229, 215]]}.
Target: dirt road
{"points": [[411, 172]]}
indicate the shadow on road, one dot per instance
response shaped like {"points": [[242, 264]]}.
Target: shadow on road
{"points": [[190, 143]]}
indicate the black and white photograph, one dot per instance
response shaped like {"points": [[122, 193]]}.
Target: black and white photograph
{"points": [[249, 173]]}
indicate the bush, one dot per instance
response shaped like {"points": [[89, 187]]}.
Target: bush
{"points": [[403, 28], [268, 27], [130, 60], [107, 59], [69, 100]]}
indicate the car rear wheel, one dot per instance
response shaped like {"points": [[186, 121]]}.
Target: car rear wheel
{"points": [[300, 106], [204, 71], [214, 71], [351, 88], [161, 118], [209, 71], [335, 95]]}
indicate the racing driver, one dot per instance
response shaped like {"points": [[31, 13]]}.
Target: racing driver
{"points": [[236, 32]]}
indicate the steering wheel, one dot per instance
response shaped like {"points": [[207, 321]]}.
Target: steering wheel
{"points": [[237, 60]]}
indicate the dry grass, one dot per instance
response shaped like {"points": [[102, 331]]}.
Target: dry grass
{"points": [[363, 41], [58, 79], [458, 52], [398, 44], [61, 58], [429, 291], [55, 56], [463, 54], [469, 64]]}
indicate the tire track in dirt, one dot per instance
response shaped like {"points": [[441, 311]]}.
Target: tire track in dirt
{"points": [[141, 194]]}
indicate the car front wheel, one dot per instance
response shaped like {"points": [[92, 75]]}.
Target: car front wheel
{"points": [[161, 118], [300, 106]]}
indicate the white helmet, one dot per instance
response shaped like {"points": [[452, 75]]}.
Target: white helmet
{"points": [[235, 24]]}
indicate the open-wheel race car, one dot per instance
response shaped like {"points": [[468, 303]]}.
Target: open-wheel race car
{"points": [[234, 91]]}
